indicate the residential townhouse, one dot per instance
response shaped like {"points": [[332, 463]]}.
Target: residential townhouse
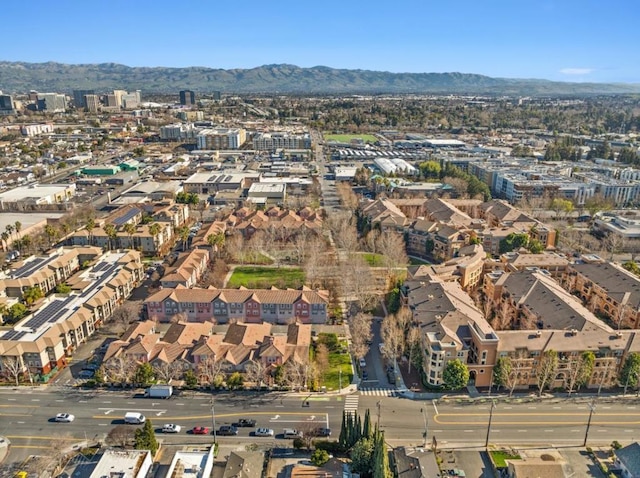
{"points": [[45, 272], [466, 269], [201, 239], [606, 289], [42, 343], [188, 269], [246, 305], [196, 346], [285, 223]]}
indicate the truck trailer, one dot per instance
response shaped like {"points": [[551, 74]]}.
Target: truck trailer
{"points": [[159, 391]]}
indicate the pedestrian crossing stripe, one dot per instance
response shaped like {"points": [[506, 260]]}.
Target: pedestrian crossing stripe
{"points": [[379, 392]]}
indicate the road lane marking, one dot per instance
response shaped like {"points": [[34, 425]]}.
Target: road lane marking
{"points": [[557, 408], [154, 410], [469, 431], [628, 431], [35, 399], [106, 402], [532, 408], [12, 399], [631, 408], [508, 408], [548, 431], [435, 408], [103, 424], [522, 431]]}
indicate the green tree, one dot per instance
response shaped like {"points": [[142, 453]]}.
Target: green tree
{"points": [[630, 371], [16, 312], [513, 242], [146, 438], [559, 205], [144, 374], [235, 381], [430, 169], [51, 233], [367, 430], [362, 457], [381, 467], [501, 371], [155, 229], [547, 370], [455, 375], [63, 288], [190, 379], [183, 232], [32, 294], [632, 267], [216, 241], [319, 457], [535, 246], [90, 226]]}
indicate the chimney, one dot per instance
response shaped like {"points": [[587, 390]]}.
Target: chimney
{"points": [[574, 332]]}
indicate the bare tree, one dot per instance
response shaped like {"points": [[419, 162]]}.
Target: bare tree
{"points": [[13, 368], [125, 315], [516, 369], [356, 283], [121, 436], [393, 336], [392, 247], [210, 371], [371, 240], [168, 371], [255, 372], [547, 370], [360, 328], [236, 247], [315, 262], [179, 317], [347, 197], [413, 342], [294, 374], [579, 371], [322, 358], [119, 370]]}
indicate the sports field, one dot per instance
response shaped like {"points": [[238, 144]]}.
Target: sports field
{"points": [[346, 138]]}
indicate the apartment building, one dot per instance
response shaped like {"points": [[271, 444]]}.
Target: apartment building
{"points": [[42, 343], [246, 305], [207, 183], [142, 239], [286, 221], [221, 138], [45, 272], [179, 132], [606, 289], [466, 269], [451, 327], [281, 140]]}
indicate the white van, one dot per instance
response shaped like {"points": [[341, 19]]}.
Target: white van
{"points": [[291, 433], [134, 418]]}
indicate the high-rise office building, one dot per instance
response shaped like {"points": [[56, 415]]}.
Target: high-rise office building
{"points": [[52, 102], [6, 105], [78, 97], [217, 95], [92, 103], [187, 98]]}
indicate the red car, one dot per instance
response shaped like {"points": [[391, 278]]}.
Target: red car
{"points": [[200, 430]]}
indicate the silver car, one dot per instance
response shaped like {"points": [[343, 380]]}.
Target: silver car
{"points": [[264, 432]]}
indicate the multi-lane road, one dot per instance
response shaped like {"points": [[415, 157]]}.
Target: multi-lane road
{"points": [[26, 418]]}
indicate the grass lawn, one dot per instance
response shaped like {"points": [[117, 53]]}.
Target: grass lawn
{"points": [[263, 277], [414, 261], [337, 362], [346, 138], [499, 456], [374, 260]]}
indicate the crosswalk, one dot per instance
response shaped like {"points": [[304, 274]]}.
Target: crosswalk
{"points": [[379, 392], [351, 403]]}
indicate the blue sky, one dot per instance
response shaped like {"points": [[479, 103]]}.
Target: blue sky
{"points": [[568, 40]]}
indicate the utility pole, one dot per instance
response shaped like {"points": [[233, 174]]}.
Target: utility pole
{"points": [[486, 441], [213, 420], [340, 379], [426, 420], [378, 405], [592, 408]]}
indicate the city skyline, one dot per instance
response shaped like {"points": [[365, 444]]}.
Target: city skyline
{"points": [[561, 41]]}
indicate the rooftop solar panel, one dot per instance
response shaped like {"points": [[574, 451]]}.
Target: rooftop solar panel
{"points": [[29, 267], [10, 335], [131, 213]]}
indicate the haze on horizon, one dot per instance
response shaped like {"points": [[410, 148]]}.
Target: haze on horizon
{"points": [[560, 40]]}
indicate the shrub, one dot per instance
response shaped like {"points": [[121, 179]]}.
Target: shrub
{"points": [[332, 447], [319, 457], [298, 443], [616, 445]]}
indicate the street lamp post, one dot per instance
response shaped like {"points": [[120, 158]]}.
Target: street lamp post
{"points": [[340, 379], [426, 420], [213, 420], [592, 408], [378, 404], [486, 441]]}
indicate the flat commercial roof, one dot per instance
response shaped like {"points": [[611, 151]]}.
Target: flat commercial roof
{"points": [[33, 190]]}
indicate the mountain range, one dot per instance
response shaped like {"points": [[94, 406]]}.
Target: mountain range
{"points": [[20, 77]]}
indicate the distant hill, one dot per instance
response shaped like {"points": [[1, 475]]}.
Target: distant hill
{"points": [[22, 77]]}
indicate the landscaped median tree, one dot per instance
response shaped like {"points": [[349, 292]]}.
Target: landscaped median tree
{"points": [[547, 370], [455, 375], [580, 371]]}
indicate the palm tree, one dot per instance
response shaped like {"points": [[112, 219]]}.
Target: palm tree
{"points": [[183, 232], [18, 226], [26, 242], [51, 233], [155, 229], [9, 228], [216, 241], [130, 229], [5, 239], [89, 226], [112, 234]]}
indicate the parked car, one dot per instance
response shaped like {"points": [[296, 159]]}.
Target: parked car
{"points": [[245, 422], [264, 432], [86, 374], [322, 432], [200, 430], [365, 375], [171, 428], [291, 433], [227, 430], [362, 362], [64, 418]]}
